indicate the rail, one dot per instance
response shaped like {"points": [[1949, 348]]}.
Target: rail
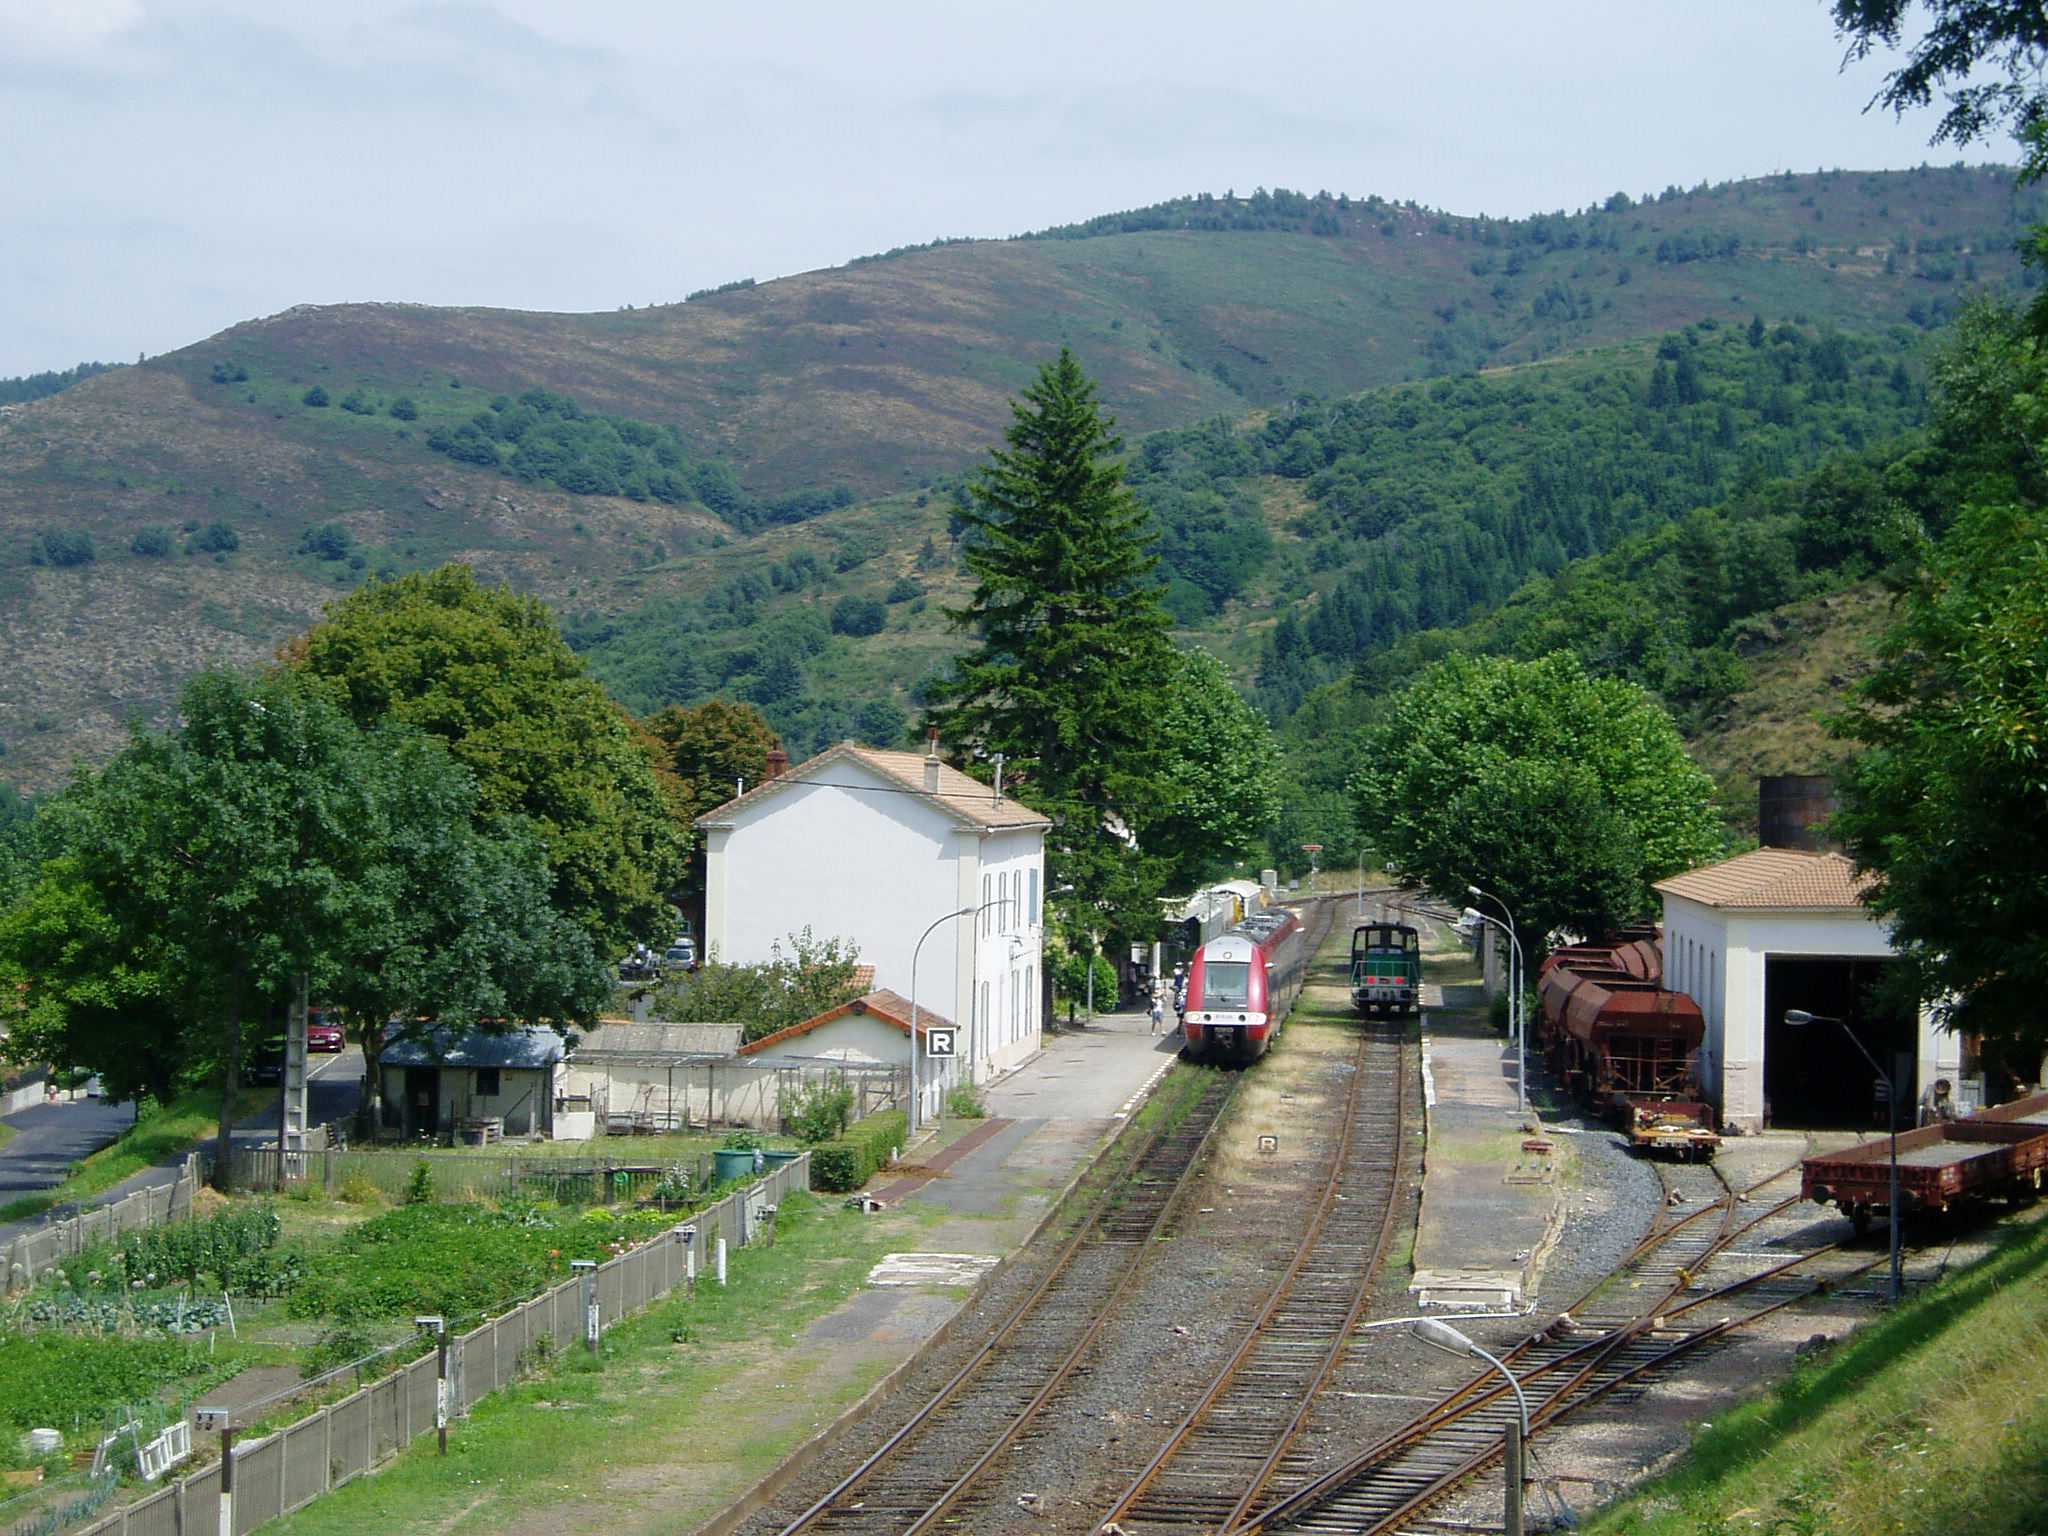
{"points": [[1253, 1409], [1560, 1368], [921, 1474]]}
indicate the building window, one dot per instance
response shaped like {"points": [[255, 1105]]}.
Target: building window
{"points": [[1034, 895], [487, 1082]]}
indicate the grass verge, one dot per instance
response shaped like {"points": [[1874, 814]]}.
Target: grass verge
{"points": [[552, 1454], [1932, 1420], [158, 1133]]}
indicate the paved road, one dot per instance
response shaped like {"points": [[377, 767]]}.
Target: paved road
{"points": [[49, 1138]]}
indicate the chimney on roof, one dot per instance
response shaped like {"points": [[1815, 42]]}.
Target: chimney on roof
{"points": [[1793, 810], [778, 764], [931, 763]]}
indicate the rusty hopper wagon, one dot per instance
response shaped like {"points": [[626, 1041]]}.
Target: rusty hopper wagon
{"points": [[1998, 1152], [1626, 1045]]}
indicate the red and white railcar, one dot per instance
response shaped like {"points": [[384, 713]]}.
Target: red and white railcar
{"points": [[1241, 985]]}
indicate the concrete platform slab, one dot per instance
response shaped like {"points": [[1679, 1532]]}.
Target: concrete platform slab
{"points": [[1490, 1189]]}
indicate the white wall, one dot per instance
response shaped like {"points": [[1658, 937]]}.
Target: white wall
{"points": [[878, 869], [1008, 950], [870, 867], [1719, 958]]}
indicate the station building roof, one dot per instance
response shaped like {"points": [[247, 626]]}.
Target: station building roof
{"points": [[1775, 879]]}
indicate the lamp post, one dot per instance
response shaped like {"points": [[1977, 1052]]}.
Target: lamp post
{"points": [[1515, 1020], [1441, 1335], [916, 953], [1799, 1018]]}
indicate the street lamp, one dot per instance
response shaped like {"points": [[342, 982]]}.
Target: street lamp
{"points": [[916, 953], [1799, 1018], [1441, 1335], [1515, 1020]]}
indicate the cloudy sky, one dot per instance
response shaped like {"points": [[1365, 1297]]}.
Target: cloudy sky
{"points": [[175, 166]]}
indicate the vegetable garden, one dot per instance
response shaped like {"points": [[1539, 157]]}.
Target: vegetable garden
{"points": [[139, 1332]]}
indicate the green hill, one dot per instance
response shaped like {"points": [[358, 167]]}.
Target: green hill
{"points": [[783, 447]]}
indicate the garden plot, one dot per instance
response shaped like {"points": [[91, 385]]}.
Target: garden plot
{"points": [[122, 1341]]}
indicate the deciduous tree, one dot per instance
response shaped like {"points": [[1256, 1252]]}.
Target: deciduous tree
{"points": [[1564, 795], [1219, 775], [1948, 802], [488, 672]]}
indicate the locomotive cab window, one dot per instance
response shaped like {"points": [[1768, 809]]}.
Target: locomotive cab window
{"points": [[1227, 984]]}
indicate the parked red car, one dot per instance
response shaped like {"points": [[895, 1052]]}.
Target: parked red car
{"points": [[324, 1032]]}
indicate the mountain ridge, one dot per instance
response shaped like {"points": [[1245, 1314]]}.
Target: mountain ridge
{"points": [[890, 376]]}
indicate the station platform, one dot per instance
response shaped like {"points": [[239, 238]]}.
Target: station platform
{"points": [[1491, 1202]]}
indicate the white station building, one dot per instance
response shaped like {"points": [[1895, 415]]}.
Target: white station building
{"points": [[891, 850]]}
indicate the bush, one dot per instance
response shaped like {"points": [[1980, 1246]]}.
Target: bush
{"points": [[335, 1348], [61, 547], [153, 540], [819, 1111], [216, 538], [329, 541], [404, 410], [903, 589], [360, 1189], [357, 402], [964, 1103], [316, 396], [419, 1189], [841, 1166], [858, 617]]}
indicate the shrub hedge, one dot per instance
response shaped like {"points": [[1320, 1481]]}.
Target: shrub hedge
{"points": [[848, 1162]]}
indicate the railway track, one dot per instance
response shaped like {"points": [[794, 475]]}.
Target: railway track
{"points": [[923, 1471], [1640, 1321], [1229, 1447]]}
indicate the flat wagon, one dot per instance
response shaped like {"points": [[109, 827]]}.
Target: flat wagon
{"points": [[1952, 1163]]}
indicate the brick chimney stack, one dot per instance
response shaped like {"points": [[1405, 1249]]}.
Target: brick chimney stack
{"points": [[778, 764], [931, 764]]}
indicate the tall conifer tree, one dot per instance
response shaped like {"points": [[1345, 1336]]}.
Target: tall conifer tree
{"points": [[1067, 676]]}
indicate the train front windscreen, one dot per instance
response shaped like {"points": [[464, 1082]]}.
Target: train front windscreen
{"points": [[1226, 984]]}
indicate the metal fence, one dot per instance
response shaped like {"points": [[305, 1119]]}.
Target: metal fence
{"points": [[289, 1468], [32, 1255]]}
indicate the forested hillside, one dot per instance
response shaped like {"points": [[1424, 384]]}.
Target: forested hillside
{"points": [[749, 491], [1297, 541]]}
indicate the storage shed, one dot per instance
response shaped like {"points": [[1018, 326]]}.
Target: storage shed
{"points": [[627, 1077], [444, 1082], [872, 1030]]}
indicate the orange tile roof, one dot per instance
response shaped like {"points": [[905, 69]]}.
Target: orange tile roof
{"points": [[963, 797], [1774, 877], [892, 1007]]}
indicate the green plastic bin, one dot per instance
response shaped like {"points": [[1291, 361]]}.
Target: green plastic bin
{"points": [[729, 1163]]}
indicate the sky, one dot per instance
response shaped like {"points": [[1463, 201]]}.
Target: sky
{"points": [[177, 166]]}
